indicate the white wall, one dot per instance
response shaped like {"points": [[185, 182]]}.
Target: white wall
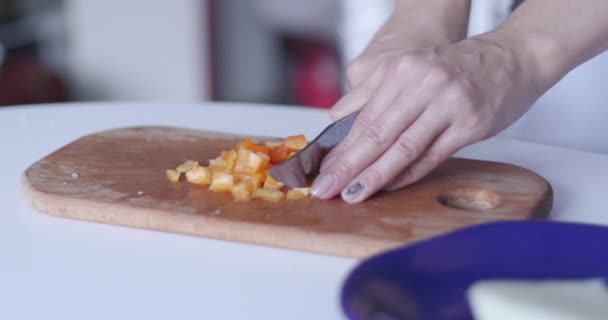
{"points": [[574, 113], [138, 50]]}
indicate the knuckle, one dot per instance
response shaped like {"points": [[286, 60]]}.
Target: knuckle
{"points": [[463, 93], [355, 69], [405, 63], [476, 129], [342, 167], [375, 134], [438, 74], [374, 177], [407, 147], [364, 120], [406, 177], [431, 159]]}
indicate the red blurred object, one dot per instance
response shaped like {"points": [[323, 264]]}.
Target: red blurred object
{"points": [[25, 80], [316, 77]]}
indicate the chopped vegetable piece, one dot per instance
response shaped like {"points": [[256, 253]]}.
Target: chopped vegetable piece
{"points": [[257, 178], [268, 194], [241, 161], [231, 160], [295, 194], [273, 144], [173, 175], [186, 166], [306, 191], [251, 146], [199, 175], [261, 149], [222, 182], [218, 162], [243, 170], [295, 143], [271, 183], [249, 162], [263, 165], [215, 169], [245, 144], [278, 154], [242, 190]]}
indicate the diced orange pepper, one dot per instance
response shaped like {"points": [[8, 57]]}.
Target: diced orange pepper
{"points": [[273, 144], [257, 178], [295, 195], [217, 162], [295, 143], [173, 175], [243, 170], [242, 191], [268, 194], [245, 144], [278, 154], [249, 162], [265, 160], [271, 183], [231, 158], [215, 169], [186, 166], [251, 146], [222, 182], [199, 175], [242, 161]]}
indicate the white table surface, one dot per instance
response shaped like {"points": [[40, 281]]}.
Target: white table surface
{"points": [[57, 268]]}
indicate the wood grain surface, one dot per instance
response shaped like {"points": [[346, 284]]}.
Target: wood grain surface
{"points": [[118, 177]]}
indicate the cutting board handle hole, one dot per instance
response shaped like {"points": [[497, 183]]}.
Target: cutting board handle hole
{"points": [[470, 199]]}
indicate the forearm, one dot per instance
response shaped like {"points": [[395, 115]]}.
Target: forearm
{"points": [[554, 36], [425, 23]]}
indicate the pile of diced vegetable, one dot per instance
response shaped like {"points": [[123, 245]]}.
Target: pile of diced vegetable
{"points": [[243, 171]]}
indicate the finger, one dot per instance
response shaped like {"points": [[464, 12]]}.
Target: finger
{"points": [[383, 98], [358, 70], [444, 147], [412, 143], [374, 140], [352, 101], [358, 97]]}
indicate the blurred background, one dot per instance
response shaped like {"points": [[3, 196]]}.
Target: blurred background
{"points": [[268, 51]]}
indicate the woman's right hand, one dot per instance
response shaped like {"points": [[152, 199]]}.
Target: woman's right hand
{"points": [[413, 25]]}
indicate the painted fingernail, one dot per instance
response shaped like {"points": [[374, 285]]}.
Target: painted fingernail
{"points": [[353, 191], [322, 185]]}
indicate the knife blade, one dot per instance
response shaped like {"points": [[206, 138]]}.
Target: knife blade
{"points": [[295, 171]]}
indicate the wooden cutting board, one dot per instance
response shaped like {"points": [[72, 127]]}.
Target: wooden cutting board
{"points": [[118, 177]]}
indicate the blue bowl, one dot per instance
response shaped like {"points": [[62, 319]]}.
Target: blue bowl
{"points": [[429, 279]]}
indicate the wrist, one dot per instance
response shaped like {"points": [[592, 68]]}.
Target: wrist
{"points": [[540, 56], [444, 21], [418, 24]]}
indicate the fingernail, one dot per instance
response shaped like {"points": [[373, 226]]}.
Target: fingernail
{"points": [[353, 191], [322, 185]]}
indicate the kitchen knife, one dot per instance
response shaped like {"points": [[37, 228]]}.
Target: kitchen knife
{"points": [[295, 171]]}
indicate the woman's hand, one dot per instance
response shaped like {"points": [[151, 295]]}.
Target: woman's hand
{"points": [[414, 24], [420, 107]]}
